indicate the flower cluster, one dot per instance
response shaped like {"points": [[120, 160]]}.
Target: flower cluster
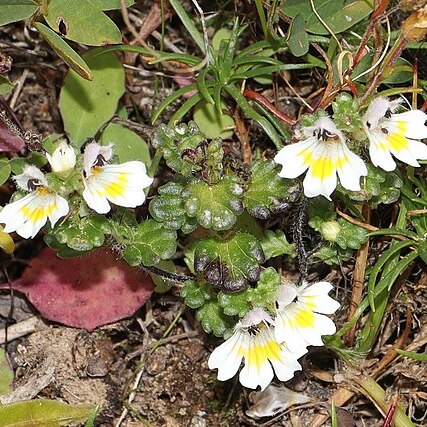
{"points": [[324, 152], [121, 184], [271, 345]]}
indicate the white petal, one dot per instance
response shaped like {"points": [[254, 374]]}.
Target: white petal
{"points": [[380, 156], [415, 119], [227, 357], [286, 367], [286, 294], [294, 158], [352, 169], [61, 210]]}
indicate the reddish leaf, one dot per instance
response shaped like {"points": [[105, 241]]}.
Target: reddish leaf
{"points": [[84, 292]]}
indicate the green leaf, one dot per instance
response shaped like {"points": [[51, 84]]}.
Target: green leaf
{"points": [[82, 234], [86, 105], [214, 320], [211, 123], [350, 235], [267, 192], [110, 4], [337, 14], [6, 86], [149, 243], [168, 208], [298, 37], [236, 303], [82, 22], [229, 263], [264, 294], [128, 145], [422, 251], [274, 243], [332, 254], [6, 374], [422, 357], [214, 206], [195, 294], [16, 10], [64, 51], [162, 285], [43, 413], [172, 143], [320, 211], [5, 170]]}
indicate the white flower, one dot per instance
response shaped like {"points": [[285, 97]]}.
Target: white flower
{"points": [[63, 158], [28, 215], [300, 319], [253, 340], [324, 153], [396, 134], [121, 184]]}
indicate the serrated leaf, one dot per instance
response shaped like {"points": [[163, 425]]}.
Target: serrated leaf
{"points": [[267, 192], [196, 293], [82, 22], [230, 263], [350, 235], [173, 142], [43, 413], [298, 37], [149, 243], [213, 319], [86, 105], [64, 51], [16, 10], [110, 4], [264, 293], [214, 206], [128, 145], [235, 304], [320, 211], [168, 208], [82, 234], [338, 15], [275, 243]]}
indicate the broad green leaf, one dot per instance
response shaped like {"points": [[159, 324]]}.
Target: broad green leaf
{"points": [[214, 320], [6, 374], [274, 243], [149, 243], [350, 235], [16, 10], [128, 145], [298, 37], [229, 263], [6, 242], [82, 22], [214, 206], [236, 303], [42, 413], [339, 15], [5, 170], [64, 51], [195, 293], [110, 4], [86, 105], [267, 192], [168, 208], [211, 123], [6, 86]]}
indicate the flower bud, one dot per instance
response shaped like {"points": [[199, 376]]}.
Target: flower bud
{"points": [[330, 230], [63, 158]]}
